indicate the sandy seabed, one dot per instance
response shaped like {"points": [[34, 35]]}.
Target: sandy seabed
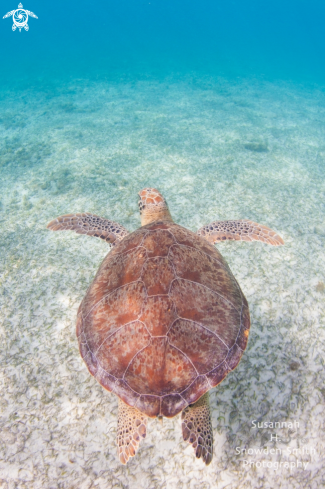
{"points": [[216, 150]]}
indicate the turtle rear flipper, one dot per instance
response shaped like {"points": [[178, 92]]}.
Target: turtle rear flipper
{"points": [[242, 230], [131, 428], [197, 429], [91, 225]]}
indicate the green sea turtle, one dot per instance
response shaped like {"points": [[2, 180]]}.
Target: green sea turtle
{"points": [[164, 320]]}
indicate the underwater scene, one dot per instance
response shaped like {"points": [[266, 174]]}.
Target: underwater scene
{"points": [[220, 106]]}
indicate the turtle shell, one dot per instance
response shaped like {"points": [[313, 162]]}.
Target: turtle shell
{"points": [[163, 321]]}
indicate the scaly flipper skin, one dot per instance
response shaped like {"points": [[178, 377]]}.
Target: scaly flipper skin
{"points": [[89, 224], [131, 428], [242, 230], [197, 429]]}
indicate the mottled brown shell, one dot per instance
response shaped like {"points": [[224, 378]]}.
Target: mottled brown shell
{"points": [[164, 320]]}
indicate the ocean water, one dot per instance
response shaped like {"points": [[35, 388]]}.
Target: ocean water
{"points": [[221, 106]]}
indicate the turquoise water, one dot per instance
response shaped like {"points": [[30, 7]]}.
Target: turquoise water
{"points": [[222, 108]]}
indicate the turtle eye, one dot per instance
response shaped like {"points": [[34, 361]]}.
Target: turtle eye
{"points": [[141, 206]]}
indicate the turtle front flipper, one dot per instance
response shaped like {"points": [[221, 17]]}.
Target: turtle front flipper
{"points": [[91, 225], [242, 230], [131, 428], [197, 428]]}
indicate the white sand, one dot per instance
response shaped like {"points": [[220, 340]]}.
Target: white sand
{"points": [[85, 146]]}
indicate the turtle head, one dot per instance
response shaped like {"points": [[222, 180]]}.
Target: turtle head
{"points": [[152, 206]]}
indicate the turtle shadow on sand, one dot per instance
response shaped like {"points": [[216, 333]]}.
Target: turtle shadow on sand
{"points": [[164, 320]]}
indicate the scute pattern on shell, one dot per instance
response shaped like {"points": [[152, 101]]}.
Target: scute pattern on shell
{"points": [[164, 320]]}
